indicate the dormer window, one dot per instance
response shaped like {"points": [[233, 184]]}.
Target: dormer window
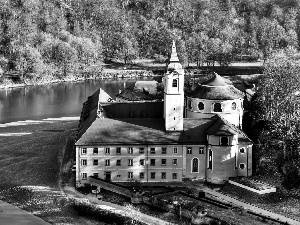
{"points": [[217, 107], [200, 106], [224, 140], [174, 83]]}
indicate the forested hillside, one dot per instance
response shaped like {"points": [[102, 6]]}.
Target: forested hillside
{"points": [[54, 38]]}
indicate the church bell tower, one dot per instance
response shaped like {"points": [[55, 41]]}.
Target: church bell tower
{"points": [[174, 94]]}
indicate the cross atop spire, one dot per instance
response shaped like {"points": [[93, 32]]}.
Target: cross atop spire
{"points": [[174, 57]]}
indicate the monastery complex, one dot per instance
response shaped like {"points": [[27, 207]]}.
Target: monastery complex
{"points": [[196, 135]]}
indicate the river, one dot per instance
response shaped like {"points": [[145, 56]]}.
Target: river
{"points": [[52, 100]]}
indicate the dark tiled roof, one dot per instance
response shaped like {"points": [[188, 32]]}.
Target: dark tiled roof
{"points": [[141, 91], [143, 131], [216, 88], [216, 93], [134, 109], [217, 80], [222, 127]]}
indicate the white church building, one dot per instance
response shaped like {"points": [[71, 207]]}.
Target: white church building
{"points": [[196, 135]]}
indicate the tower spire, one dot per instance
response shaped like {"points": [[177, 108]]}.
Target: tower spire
{"points": [[174, 57]]}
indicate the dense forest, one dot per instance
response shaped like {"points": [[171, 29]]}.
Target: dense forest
{"points": [[55, 38]]}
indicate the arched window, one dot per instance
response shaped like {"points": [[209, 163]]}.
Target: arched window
{"points": [[217, 107], [233, 106], [174, 83], [190, 104], [242, 166], [195, 165], [210, 159], [200, 106], [224, 141]]}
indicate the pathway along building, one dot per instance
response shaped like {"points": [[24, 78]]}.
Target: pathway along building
{"points": [[151, 141]]}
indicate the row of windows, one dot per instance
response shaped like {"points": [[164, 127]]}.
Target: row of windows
{"points": [[217, 107], [163, 175], [141, 150], [129, 150], [129, 162]]}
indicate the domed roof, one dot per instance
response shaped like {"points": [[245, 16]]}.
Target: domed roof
{"points": [[216, 88]]}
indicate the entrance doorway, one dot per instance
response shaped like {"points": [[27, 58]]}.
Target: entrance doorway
{"points": [[108, 176]]}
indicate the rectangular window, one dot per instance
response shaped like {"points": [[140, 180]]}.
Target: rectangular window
{"points": [[142, 162], [163, 175], [83, 151], [174, 161], [175, 150], [210, 162], [83, 162], [201, 150], [95, 162], [118, 150], [174, 176], [130, 162], [152, 162], [84, 176], [107, 162], [95, 175], [130, 175], [163, 150], [95, 151], [142, 150], [142, 175], [107, 150], [152, 150], [118, 162], [163, 162], [174, 83], [189, 150], [152, 175], [130, 150]]}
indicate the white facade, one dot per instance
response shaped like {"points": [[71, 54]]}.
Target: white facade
{"points": [[231, 110], [174, 94]]}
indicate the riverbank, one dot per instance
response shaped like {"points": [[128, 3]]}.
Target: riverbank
{"points": [[31, 155], [10, 84], [139, 69]]}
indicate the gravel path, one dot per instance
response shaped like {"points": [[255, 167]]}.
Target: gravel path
{"points": [[12, 215]]}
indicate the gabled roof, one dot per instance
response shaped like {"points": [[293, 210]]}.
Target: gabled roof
{"points": [[137, 131], [140, 91], [216, 88], [222, 127], [217, 80]]}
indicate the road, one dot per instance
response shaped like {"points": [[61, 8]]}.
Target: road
{"points": [[144, 218]]}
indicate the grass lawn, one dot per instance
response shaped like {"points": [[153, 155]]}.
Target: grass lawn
{"points": [[30, 167], [280, 202]]}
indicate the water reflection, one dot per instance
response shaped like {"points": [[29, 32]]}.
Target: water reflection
{"points": [[52, 100]]}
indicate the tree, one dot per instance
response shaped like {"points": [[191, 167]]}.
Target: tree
{"points": [[66, 57], [27, 59], [278, 100], [128, 49]]}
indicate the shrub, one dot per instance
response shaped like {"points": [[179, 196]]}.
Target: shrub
{"points": [[86, 209]]}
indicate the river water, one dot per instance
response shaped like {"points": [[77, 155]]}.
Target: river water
{"points": [[52, 100]]}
